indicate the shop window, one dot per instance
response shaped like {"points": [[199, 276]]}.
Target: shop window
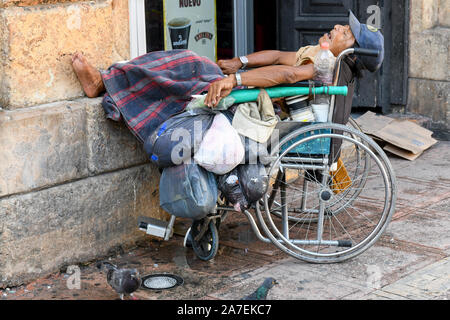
{"points": [[147, 27]]}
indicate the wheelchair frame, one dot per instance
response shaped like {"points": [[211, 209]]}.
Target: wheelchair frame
{"points": [[281, 217]]}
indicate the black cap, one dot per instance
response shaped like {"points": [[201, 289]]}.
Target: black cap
{"points": [[367, 37]]}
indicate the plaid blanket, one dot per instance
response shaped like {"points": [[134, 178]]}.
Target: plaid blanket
{"points": [[149, 89]]}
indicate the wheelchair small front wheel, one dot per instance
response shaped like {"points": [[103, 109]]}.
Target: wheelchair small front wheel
{"points": [[205, 247]]}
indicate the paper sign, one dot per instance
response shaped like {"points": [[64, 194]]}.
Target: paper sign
{"points": [[191, 24]]}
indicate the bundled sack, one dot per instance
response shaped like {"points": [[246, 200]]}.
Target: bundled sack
{"points": [[244, 185], [256, 120], [254, 181], [230, 187], [175, 140], [188, 191], [221, 149]]}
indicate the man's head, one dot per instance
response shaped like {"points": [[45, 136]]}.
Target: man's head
{"points": [[340, 38], [356, 34], [367, 37]]}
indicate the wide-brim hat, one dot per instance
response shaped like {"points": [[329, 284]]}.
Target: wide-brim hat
{"points": [[367, 37]]}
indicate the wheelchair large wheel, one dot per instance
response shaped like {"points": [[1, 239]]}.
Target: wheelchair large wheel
{"points": [[334, 190], [358, 176], [205, 245]]}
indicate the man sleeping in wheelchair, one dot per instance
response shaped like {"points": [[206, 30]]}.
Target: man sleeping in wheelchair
{"points": [[156, 87], [270, 68]]}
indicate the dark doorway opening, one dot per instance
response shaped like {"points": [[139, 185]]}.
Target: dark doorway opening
{"points": [[154, 22], [225, 39], [265, 18]]}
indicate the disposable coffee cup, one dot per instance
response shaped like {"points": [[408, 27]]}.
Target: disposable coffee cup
{"points": [[303, 115], [320, 112], [179, 29]]}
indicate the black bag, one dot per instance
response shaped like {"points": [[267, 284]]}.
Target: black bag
{"points": [[176, 140], [245, 185], [230, 187], [254, 181]]}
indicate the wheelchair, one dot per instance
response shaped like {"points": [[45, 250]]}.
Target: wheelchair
{"points": [[331, 189]]}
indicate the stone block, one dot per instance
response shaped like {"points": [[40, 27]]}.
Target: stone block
{"points": [[40, 41], [111, 145], [42, 146], [429, 54], [424, 14], [121, 33], [27, 3], [62, 141], [3, 58], [431, 99], [78, 221], [444, 13]]}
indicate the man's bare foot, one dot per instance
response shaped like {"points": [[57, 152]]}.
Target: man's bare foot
{"points": [[89, 77]]}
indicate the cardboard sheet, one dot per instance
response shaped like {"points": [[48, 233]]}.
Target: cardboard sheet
{"points": [[403, 137]]}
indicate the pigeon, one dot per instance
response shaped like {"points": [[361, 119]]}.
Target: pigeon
{"points": [[124, 281], [262, 291]]}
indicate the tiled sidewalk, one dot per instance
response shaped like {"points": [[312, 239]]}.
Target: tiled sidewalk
{"points": [[410, 261]]}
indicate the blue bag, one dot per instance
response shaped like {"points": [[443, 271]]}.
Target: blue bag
{"points": [[188, 191]]}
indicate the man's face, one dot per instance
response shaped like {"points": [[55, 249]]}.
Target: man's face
{"points": [[340, 38]]}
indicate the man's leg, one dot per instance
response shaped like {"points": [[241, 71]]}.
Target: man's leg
{"points": [[89, 77]]}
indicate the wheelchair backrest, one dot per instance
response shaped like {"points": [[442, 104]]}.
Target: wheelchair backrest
{"points": [[343, 106]]}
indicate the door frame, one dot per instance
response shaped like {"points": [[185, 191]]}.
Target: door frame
{"points": [[243, 21], [138, 37]]}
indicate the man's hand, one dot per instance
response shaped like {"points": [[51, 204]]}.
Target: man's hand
{"points": [[230, 66], [220, 89]]}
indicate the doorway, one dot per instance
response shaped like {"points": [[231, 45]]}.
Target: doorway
{"points": [[302, 22], [265, 25]]}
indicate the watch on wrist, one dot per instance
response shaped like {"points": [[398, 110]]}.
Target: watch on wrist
{"points": [[244, 61]]}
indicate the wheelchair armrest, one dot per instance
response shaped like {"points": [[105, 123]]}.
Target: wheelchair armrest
{"points": [[304, 84]]}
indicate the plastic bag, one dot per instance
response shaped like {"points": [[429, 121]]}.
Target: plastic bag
{"points": [[188, 191], [176, 140], [253, 180], [255, 152], [199, 102], [221, 149], [230, 187]]}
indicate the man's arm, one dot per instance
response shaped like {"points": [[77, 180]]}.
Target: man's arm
{"points": [[259, 59], [261, 77]]}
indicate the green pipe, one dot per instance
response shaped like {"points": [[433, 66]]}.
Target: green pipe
{"points": [[248, 95]]}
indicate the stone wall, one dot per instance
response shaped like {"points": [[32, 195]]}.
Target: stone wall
{"points": [[39, 41], [72, 183], [429, 72]]}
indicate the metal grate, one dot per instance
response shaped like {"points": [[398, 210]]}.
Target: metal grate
{"points": [[161, 281]]}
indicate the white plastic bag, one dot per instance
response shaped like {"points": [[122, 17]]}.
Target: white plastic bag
{"points": [[221, 149]]}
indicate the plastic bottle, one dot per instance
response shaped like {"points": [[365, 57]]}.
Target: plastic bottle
{"points": [[324, 69], [324, 64]]}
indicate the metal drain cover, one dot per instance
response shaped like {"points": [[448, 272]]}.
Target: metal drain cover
{"points": [[161, 281]]}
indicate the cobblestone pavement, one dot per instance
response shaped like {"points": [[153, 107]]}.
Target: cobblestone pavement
{"points": [[410, 261]]}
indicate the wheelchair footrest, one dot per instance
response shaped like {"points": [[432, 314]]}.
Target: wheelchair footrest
{"points": [[157, 228]]}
